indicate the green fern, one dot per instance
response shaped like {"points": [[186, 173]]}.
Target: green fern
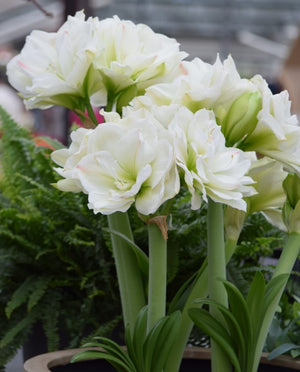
{"points": [[50, 320], [49, 242], [24, 324], [39, 288], [20, 296]]}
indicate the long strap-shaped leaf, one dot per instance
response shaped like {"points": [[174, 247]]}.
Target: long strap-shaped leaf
{"points": [[96, 354], [214, 329], [113, 353], [238, 340], [165, 341], [159, 342], [141, 257]]}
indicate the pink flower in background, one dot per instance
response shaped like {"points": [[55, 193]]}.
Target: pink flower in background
{"points": [[75, 119]]}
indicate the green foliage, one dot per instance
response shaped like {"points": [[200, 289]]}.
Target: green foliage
{"points": [[258, 239], [186, 242], [243, 320], [56, 266], [145, 352], [55, 259], [283, 337]]}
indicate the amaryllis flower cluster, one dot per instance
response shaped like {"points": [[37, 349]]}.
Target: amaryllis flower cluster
{"points": [[139, 159], [170, 124], [204, 118], [92, 60]]}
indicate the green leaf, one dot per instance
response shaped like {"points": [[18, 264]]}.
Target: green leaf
{"points": [[140, 255], [115, 350], [295, 353], [239, 309], [283, 348], [159, 341], [214, 329], [96, 354], [255, 300], [165, 341], [139, 336], [274, 287], [179, 300], [151, 343], [129, 345], [239, 342]]}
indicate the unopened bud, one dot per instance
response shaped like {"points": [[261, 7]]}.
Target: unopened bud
{"points": [[291, 186], [241, 119], [291, 209]]}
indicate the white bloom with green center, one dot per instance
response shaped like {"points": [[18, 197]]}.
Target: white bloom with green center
{"points": [[123, 162], [277, 133], [92, 59], [54, 68], [203, 85], [209, 168], [134, 55]]}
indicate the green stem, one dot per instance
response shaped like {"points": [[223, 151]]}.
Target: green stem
{"points": [[285, 265], [216, 273], [234, 225], [157, 275], [110, 103], [199, 290], [90, 111], [128, 273]]}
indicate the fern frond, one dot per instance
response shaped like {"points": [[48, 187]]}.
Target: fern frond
{"points": [[18, 239], [50, 320], [20, 296], [78, 236], [23, 324], [104, 330], [39, 288]]}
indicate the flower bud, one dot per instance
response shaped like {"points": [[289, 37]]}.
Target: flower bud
{"points": [[234, 221], [291, 209], [291, 186], [241, 119]]}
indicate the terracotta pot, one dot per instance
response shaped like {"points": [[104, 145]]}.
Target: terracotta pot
{"points": [[194, 359]]}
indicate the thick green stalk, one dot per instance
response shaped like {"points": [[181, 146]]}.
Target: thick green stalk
{"points": [[285, 265], [199, 290], [157, 275], [216, 273], [128, 272]]}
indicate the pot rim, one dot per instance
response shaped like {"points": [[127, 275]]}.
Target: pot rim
{"points": [[43, 362]]}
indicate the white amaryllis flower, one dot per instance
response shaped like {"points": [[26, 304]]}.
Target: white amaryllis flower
{"points": [[203, 85], [122, 163], [134, 55], [69, 158], [55, 68], [277, 133], [92, 59], [268, 176], [209, 168]]}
